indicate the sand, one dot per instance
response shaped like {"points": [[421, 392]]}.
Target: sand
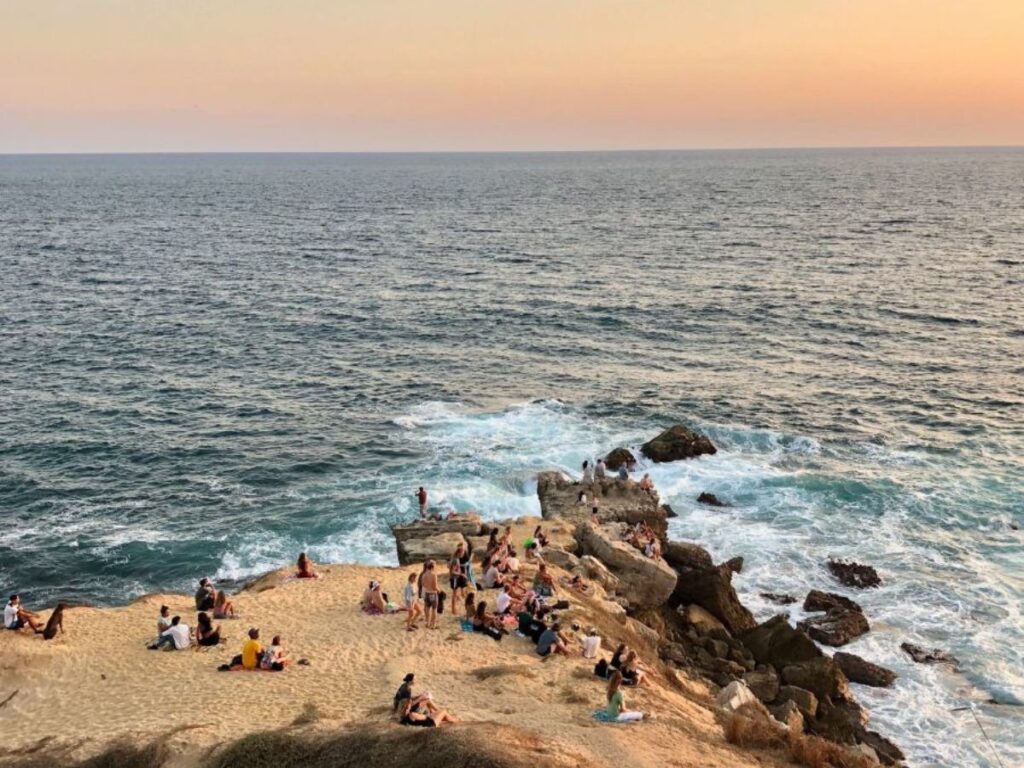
{"points": [[98, 683]]}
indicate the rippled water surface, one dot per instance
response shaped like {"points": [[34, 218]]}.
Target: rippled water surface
{"points": [[208, 363]]}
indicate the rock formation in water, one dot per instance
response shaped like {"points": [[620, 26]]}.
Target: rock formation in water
{"points": [[676, 443]]}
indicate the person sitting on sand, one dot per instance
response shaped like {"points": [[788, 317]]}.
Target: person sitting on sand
{"points": [[206, 595], [305, 568], [16, 616], [430, 594], [177, 637], [553, 641], [595, 506], [591, 644], [423, 712], [577, 584], [413, 604], [492, 576], [470, 606], [224, 606], [618, 656], [531, 625], [207, 635], [632, 672], [252, 652], [511, 563], [616, 709], [581, 499], [487, 624], [275, 659], [373, 601], [163, 622], [543, 582], [55, 622], [505, 603], [538, 534]]}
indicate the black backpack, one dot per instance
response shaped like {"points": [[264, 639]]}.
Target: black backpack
{"points": [[601, 669]]}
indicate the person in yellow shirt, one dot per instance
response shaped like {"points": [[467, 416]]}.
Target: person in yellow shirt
{"points": [[252, 650]]}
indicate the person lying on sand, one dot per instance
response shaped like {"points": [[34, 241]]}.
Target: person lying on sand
{"points": [[207, 635], [275, 659], [413, 604], [553, 641], [423, 712], [17, 617], [55, 622], [224, 606], [486, 623], [176, 637], [305, 568], [206, 595], [616, 702]]}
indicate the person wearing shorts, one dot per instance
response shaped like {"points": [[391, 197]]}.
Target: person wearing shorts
{"points": [[430, 590]]}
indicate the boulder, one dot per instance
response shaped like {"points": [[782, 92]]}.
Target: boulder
{"points": [[619, 457], [712, 590], [821, 676], [669, 512], [858, 670], [697, 617], [853, 574], [641, 630], [789, 713], [614, 609], [439, 548], [888, 753], [643, 581], [464, 525], [775, 642], [675, 443], [804, 700], [683, 554], [734, 696], [933, 656], [711, 500], [764, 683], [621, 501], [778, 598], [817, 600], [735, 564], [559, 557], [590, 567], [835, 628], [838, 722]]}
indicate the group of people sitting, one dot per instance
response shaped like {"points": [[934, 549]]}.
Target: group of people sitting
{"points": [[17, 617], [418, 709], [642, 537]]}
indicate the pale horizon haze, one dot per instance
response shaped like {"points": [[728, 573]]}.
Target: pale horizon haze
{"points": [[453, 75]]}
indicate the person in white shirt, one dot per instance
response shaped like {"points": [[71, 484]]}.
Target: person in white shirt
{"points": [[16, 617], [177, 636], [601, 471], [588, 473], [591, 644]]}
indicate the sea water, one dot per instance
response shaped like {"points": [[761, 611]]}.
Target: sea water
{"points": [[210, 363]]}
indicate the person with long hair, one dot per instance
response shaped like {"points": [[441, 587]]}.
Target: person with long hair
{"points": [[413, 604], [207, 635], [224, 606], [305, 568], [615, 709], [485, 623]]}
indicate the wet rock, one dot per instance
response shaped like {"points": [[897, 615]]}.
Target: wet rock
{"points": [[699, 618], [712, 590], [817, 600], [643, 581], [620, 501], [683, 554], [821, 676], [836, 628], [933, 656], [764, 683], [888, 753], [620, 457], [802, 699], [778, 598], [711, 500], [675, 443], [776, 643], [669, 512], [838, 721], [853, 574], [439, 548], [735, 564], [858, 670]]}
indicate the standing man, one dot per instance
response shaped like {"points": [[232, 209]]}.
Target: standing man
{"points": [[421, 496], [601, 470], [430, 597]]}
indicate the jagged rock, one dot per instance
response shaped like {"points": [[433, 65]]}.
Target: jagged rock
{"points": [[669, 512], [619, 457], [464, 525], [683, 554], [888, 753], [764, 683], [734, 695], [817, 600], [620, 501], [744, 660], [789, 714], [836, 628], [735, 564], [821, 676], [778, 598], [712, 590], [803, 699], [675, 443], [933, 656], [559, 557], [643, 581], [858, 670], [439, 548], [866, 752], [649, 635], [589, 567], [701, 619], [838, 721], [854, 574], [675, 653], [776, 643], [711, 500], [717, 648]]}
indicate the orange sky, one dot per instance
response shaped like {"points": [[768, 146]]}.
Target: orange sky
{"points": [[164, 75]]}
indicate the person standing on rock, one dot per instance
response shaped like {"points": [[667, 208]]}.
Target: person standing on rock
{"points": [[588, 473], [623, 473], [421, 497], [601, 472]]}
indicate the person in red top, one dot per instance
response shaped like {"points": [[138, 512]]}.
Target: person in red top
{"points": [[421, 495]]}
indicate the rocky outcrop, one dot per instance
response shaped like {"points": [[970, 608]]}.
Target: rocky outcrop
{"points": [[764, 683], [464, 526], [734, 695], [735, 564], [711, 589], [439, 548], [675, 443], [589, 567], [778, 598], [805, 701], [888, 753], [643, 581], [620, 457], [711, 500], [836, 628], [933, 656], [561, 558], [621, 501], [700, 619], [853, 574], [682, 554], [775, 642], [858, 670], [817, 600], [821, 676], [838, 721]]}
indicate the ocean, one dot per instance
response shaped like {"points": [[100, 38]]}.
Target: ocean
{"points": [[211, 362]]}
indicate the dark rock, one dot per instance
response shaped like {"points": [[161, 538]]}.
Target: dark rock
{"points": [[817, 600], [763, 683], [675, 653], [717, 648], [682, 554], [735, 564], [854, 574], [712, 590], [711, 500], [888, 753], [836, 628], [675, 443], [858, 670], [669, 512], [776, 643], [619, 457], [804, 700], [621, 501], [933, 656], [838, 721], [778, 598], [820, 676], [789, 713]]}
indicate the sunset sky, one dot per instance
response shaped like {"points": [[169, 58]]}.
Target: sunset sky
{"points": [[184, 75]]}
